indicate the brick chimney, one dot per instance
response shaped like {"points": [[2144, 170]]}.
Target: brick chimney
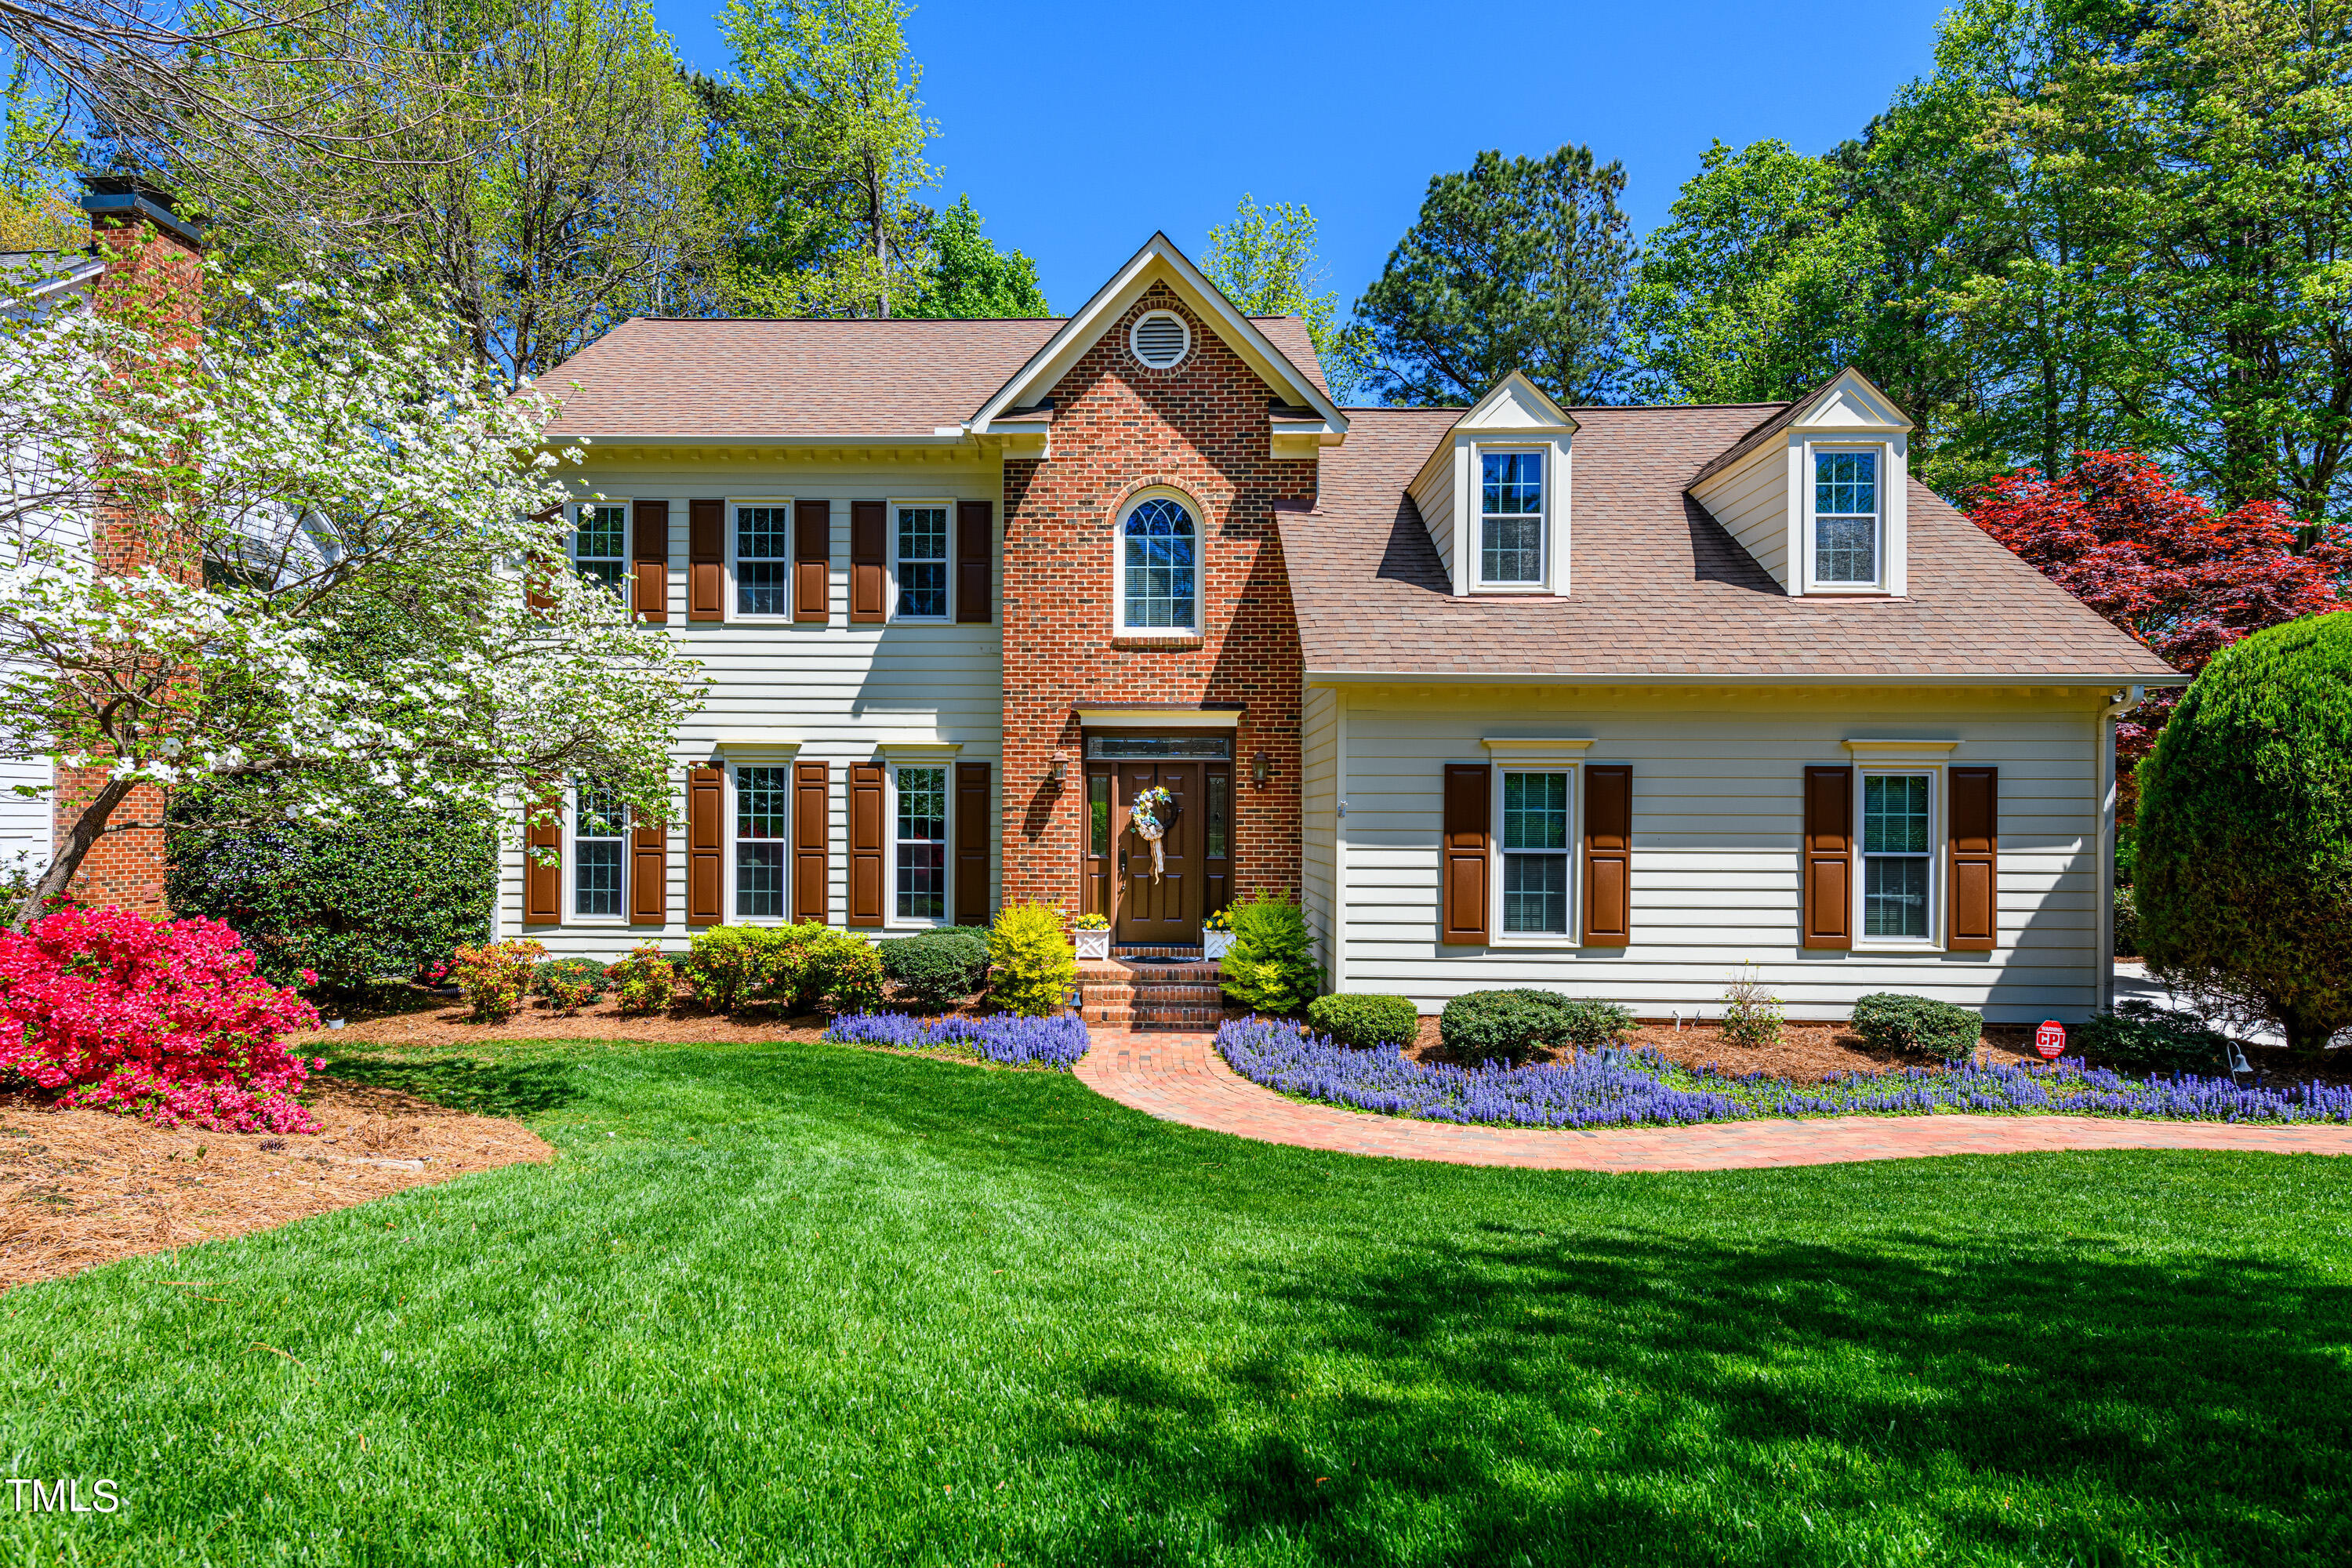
{"points": [[153, 273]]}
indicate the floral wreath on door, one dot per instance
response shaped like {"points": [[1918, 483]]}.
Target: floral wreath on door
{"points": [[1149, 814]]}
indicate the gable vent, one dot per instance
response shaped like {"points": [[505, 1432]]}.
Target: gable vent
{"points": [[1160, 340]]}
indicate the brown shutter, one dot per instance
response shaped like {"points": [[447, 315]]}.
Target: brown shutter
{"points": [[1608, 855], [705, 846], [706, 556], [1462, 854], [868, 561], [649, 562], [1976, 844], [811, 842], [812, 558], [1828, 912], [972, 837], [867, 882], [975, 553], [543, 884], [648, 870]]}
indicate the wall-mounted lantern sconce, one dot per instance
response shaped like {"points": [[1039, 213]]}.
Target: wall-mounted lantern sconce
{"points": [[1261, 765], [1061, 766]]}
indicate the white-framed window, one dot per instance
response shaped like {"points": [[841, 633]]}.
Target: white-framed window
{"points": [[762, 861], [760, 546], [1511, 517], [1158, 565], [918, 559], [1897, 839], [1535, 850], [918, 861], [600, 541], [1846, 540], [600, 851]]}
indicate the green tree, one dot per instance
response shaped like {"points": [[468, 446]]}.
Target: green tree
{"points": [[815, 150], [970, 279], [1517, 264], [2244, 879], [1265, 261]]}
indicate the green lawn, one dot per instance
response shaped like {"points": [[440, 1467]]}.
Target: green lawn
{"points": [[804, 1303]]}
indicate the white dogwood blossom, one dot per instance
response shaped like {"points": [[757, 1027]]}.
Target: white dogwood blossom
{"points": [[334, 516]]}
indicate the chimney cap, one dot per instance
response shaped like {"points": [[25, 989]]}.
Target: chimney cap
{"points": [[126, 197]]}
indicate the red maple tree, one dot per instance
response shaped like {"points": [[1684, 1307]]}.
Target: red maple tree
{"points": [[2160, 563]]}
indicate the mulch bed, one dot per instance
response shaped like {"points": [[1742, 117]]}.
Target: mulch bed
{"points": [[78, 1188], [1806, 1053], [429, 1020]]}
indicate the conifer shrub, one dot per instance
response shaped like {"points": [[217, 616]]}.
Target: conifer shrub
{"points": [[1036, 967], [2245, 849], [1271, 967], [937, 968], [1893, 1021], [1363, 1021]]}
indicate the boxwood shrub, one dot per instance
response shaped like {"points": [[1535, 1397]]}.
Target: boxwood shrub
{"points": [[1365, 1021], [2138, 1037], [1892, 1021], [1511, 1026], [937, 968]]}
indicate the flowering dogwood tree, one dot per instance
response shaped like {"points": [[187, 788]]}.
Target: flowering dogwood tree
{"points": [[2160, 562], [333, 513]]}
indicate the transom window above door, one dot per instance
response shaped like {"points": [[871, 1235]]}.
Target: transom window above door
{"points": [[1158, 566], [1511, 518], [920, 540]]}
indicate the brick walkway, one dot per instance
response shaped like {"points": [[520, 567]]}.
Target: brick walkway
{"points": [[1180, 1077]]}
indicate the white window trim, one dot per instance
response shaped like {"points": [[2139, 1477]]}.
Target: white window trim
{"points": [[1881, 536], [1136, 326], [734, 604], [947, 505], [628, 512], [1937, 841], [891, 918], [571, 915], [1524, 759], [1477, 542], [730, 805], [1119, 627]]}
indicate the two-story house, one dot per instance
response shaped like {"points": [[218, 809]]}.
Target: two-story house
{"points": [[1613, 700]]}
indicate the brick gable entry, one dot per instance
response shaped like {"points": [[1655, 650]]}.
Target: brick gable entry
{"points": [[1119, 427]]}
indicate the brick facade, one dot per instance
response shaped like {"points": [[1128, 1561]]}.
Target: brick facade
{"points": [[1120, 426], [150, 275]]}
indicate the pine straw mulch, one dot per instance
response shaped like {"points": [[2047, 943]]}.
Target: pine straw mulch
{"points": [[78, 1188]]}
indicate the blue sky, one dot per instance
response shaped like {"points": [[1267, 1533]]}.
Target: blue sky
{"points": [[1080, 127]]}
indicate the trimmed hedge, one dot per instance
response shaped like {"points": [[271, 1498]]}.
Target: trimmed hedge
{"points": [[1893, 1021], [937, 968], [2140, 1037], [1364, 1021], [1512, 1026], [788, 968]]}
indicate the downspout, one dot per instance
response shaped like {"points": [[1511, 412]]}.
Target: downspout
{"points": [[2123, 702]]}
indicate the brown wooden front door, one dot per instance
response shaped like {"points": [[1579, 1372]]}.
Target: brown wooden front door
{"points": [[1164, 910]]}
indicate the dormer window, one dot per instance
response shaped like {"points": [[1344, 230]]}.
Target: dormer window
{"points": [[1845, 534], [1511, 519]]}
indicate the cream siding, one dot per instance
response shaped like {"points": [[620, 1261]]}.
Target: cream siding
{"points": [[841, 691], [1751, 500], [1320, 736], [1716, 874], [1433, 491]]}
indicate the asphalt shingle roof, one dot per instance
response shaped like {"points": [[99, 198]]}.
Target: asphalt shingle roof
{"points": [[1658, 586]]}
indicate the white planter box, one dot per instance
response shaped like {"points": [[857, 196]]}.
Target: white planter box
{"points": [[1215, 943], [1092, 943]]}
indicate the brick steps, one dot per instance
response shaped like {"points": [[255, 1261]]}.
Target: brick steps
{"points": [[1121, 993]]}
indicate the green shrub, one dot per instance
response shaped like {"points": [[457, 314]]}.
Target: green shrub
{"points": [[1035, 966], [2137, 1037], [495, 977], [786, 969], [937, 968], [383, 896], [2244, 847], [1751, 1014], [1891, 1021], [645, 981], [1271, 967], [570, 984], [1512, 1026], [840, 970], [723, 965], [1365, 1021], [2126, 924]]}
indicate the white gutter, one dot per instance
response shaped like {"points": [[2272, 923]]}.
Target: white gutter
{"points": [[1690, 678]]}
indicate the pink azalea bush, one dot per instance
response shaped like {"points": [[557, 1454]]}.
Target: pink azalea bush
{"points": [[162, 1020]]}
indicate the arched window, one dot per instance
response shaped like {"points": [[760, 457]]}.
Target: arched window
{"points": [[1158, 551]]}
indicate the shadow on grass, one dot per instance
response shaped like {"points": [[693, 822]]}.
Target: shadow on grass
{"points": [[1654, 1397], [485, 1089]]}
